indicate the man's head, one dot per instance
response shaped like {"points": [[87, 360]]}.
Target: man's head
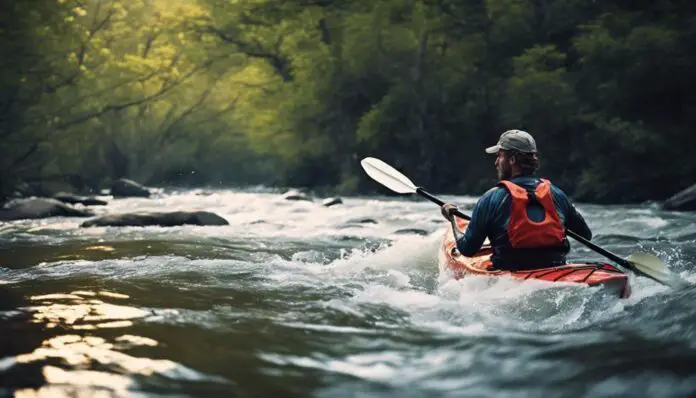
{"points": [[517, 154], [517, 140]]}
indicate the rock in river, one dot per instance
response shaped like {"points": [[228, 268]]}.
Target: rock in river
{"points": [[73, 199], [39, 208], [164, 219], [124, 188]]}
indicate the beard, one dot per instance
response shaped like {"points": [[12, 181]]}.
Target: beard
{"points": [[504, 171]]}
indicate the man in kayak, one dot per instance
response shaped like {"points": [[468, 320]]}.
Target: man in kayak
{"points": [[524, 217]]}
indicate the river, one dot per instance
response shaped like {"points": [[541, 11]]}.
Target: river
{"points": [[293, 299]]}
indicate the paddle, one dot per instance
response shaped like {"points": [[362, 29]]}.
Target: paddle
{"points": [[641, 263]]}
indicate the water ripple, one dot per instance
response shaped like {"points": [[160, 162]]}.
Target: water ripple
{"points": [[299, 300]]}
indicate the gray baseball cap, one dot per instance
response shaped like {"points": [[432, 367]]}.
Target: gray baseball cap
{"points": [[514, 139]]}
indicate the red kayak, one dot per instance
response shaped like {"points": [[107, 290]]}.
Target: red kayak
{"points": [[592, 274]]}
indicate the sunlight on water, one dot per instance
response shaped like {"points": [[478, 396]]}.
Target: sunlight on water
{"points": [[77, 351], [80, 311], [72, 311]]}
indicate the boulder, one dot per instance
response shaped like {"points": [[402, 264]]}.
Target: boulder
{"points": [[328, 202], [163, 219], [683, 201], [411, 231], [296, 195], [124, 188], [33, 208], [365, 220], [74, 199]]}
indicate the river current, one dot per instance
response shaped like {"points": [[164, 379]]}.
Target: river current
{"points": [[293, 299]]}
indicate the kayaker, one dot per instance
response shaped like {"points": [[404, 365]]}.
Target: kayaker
{"points": [[523, 216]]}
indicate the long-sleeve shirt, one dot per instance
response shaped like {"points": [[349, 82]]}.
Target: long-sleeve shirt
{"points": [[491, 214]]}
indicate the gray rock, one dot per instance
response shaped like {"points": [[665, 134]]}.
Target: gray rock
{"points": [[363, 221], [296, 195], [73, 199], [682, 201], [124, 188], [328, 202], [34, 208], [164, 219], [411, 231]]}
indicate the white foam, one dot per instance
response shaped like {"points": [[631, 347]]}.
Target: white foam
{"points": [[406, 253]]}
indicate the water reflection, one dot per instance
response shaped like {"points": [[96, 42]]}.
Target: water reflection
{"points": [[80, 383], [75, 362], [73, 311], [75, 353]]}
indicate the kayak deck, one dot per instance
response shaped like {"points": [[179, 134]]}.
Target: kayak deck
{"points": [[590, 273]]}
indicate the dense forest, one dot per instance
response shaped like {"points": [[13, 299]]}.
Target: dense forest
{"points": [[296, 92]]}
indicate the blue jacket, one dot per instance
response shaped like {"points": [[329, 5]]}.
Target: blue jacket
{"points": [[490, 216]]}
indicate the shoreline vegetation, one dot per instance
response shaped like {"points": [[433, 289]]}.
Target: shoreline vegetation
{"points": [[295, 93]]}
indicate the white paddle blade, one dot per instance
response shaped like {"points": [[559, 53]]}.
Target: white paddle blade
{"points": [[653, 267], [387, 175]]}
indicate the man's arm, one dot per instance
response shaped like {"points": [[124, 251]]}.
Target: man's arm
{"points": [[475, 234], [576, 223]]}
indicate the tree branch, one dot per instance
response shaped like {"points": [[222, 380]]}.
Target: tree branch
{"points": [[92, 94], [82, 52], [118, 107], [169, 131], [21, 158], [278, 61]]}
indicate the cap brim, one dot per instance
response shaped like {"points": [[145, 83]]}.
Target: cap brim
{"points": [[493, 149]]}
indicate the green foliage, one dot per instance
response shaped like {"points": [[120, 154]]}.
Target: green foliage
{"points": [[295, 92]]}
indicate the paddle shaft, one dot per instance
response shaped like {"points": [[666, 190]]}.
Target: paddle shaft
{"points": [[572, 234], [422, 192]]}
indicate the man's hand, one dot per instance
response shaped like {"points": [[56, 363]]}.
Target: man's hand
{"points": [[447, 210]]}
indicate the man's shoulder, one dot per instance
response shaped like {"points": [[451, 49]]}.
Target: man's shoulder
{"points": [[560, 196], [495, 193], [557, 190]]}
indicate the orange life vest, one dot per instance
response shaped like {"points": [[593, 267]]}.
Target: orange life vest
{"points": [[525, 233]]}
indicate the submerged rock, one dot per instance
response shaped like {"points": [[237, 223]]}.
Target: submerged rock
{"points": [[411, 231], [39, 208], [683, 201], [163, 219], [73, 199], [328, 202], [365, 220], [296, 195], [124, 188]]}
